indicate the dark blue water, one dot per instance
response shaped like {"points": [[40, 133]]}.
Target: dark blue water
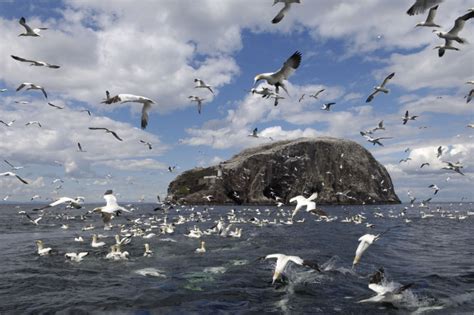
{"points": [[435, 253]]}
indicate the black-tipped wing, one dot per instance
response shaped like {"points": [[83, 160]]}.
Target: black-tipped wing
{"points": [[388, 78], [55, 106], [420, 6], [290, 65], [21, 180], [115, 135], [22, 59]]}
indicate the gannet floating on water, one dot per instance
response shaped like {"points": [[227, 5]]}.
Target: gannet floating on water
{"points": [[107, 131], [73, 203], [30, 31], [14, 175], [386, 292], [36, 63], [429, 22], [130, 98], [76, 257], [282, 261], [453, 34], [201, 249], [95, 243], [200, 84], [301, 201], [420, 6], [148, 252], [365, 241], [276, 78], [42, 251], [381, 88], [265, 92], [284, 10], [32, 86], [148, 144]]}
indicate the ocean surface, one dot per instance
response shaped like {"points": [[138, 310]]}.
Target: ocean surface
{"points": [[433, 249]]}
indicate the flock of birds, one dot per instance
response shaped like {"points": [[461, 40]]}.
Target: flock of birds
{"points": [[145, 227]]}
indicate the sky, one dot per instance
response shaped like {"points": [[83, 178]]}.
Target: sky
{"points": [[157, 49]]}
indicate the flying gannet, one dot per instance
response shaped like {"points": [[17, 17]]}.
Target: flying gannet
{"points": [[107, 131], [30, 31], [148, 144], [407, 117], [36, 63], [420, 6], [200, 84], [277, 98], [469, 96], [265, 92], [276, 78], [15, 168], [32, 86], [75, 203], [429, 22], [130, 98], [55, 106], [375, 141], [14, 175], [284, 10], [453, 34], [316, 95], [111, 207], [198, 101], [434, 187], [282, 261], [35, 122], [301, 201], [380, 88], [327, 107]]}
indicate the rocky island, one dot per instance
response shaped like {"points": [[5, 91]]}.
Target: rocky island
{"points": [[341, 171]]}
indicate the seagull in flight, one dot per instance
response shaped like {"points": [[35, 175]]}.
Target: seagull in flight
{"points": [[147, 144], [315, 95], [15, 168], [35, 122], [434, 187], [407, 117], [327, 107], [198, 100], [14, 175], [284, 10], [7, 124], [127, 98], [448, 45], [254, 133], [420, 6], [380, 88], [439, 151], [30, 31], [429, 22], [301, 202], [453, 34], [36, 62], [107, 131], [32, 86], [200, 84], [276, 78], [75, 203], [283, 260], [55, 106]]}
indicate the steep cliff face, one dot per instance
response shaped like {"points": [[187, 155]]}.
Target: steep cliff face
{"points": [[341, 171]]}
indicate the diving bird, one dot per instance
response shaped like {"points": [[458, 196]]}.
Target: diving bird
{"points": [[301, 201], [15, 168], [386, 292], [130, 98], [434, 187], [380, 88], [420, 6], [429, 22], [107, 131], [327, 107], [30, 31], [276, 78], [76, 257], [200, 84], [407, 117], [316, 95], [14, 175], [284, 10], [32, 86], [55, 106], [365, 241], [380, 126], [453, 34], [75, 203], [36, 63], [283, 260], [148, 144], [9, 124], [198, 101]]}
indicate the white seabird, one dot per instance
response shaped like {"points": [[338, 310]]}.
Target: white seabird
{"points": [[200, 84], [448, 45], [198, 101], [36, 62], [380, 88], [107, 131], [375, 141], [111, 207], [95, 243], [35, 122], [434, 187], [276, 78], [201, 249], [315, 95], [420, 6], [386, 292], [72, 203], [277, 98], [76, 257], [282, 261], [33, 221], [9, 124], [32, 86], [265, 92], [407, 117], [14, 175], [30, 31], [42, 251], [284, 10], [453, 34], [130, 98], [429, 22], [327, 107], [365, 241], [301, 201], [55, 106]]}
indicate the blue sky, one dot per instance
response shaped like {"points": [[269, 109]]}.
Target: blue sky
{"points": [[157, 48]]}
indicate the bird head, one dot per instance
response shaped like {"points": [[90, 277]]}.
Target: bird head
{"points": [[256, 79]]}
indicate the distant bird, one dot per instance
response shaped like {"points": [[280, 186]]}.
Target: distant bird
{"points": [[147, 144], [31, 86], [277, 98], [76, 257], [364, 242], [301, 98], [386, 292], [379, 126], [75, 203], [301, 202], [3, 90], [265, 92], [468, 82], [456, 167], [14, 175], [201, 249], [381, 88], [42, 251], [434, 187], [35, 122], [9, 124], [283, 260], [36, 62], [439, 151], [276, 78], [284, 10], [200, 84], [33, 221], [424, 164], [130, 98], [375, 141], [405, 160], [315, 95], [327, 107], [198, 101], [469, 96], [453, 34], [171, 168], [448, 45], [429, 22], [87, 111], [407, 117], [55, 106], [107, 131], [15, 168], [420, 6], [30, 31], [80, 147]]}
